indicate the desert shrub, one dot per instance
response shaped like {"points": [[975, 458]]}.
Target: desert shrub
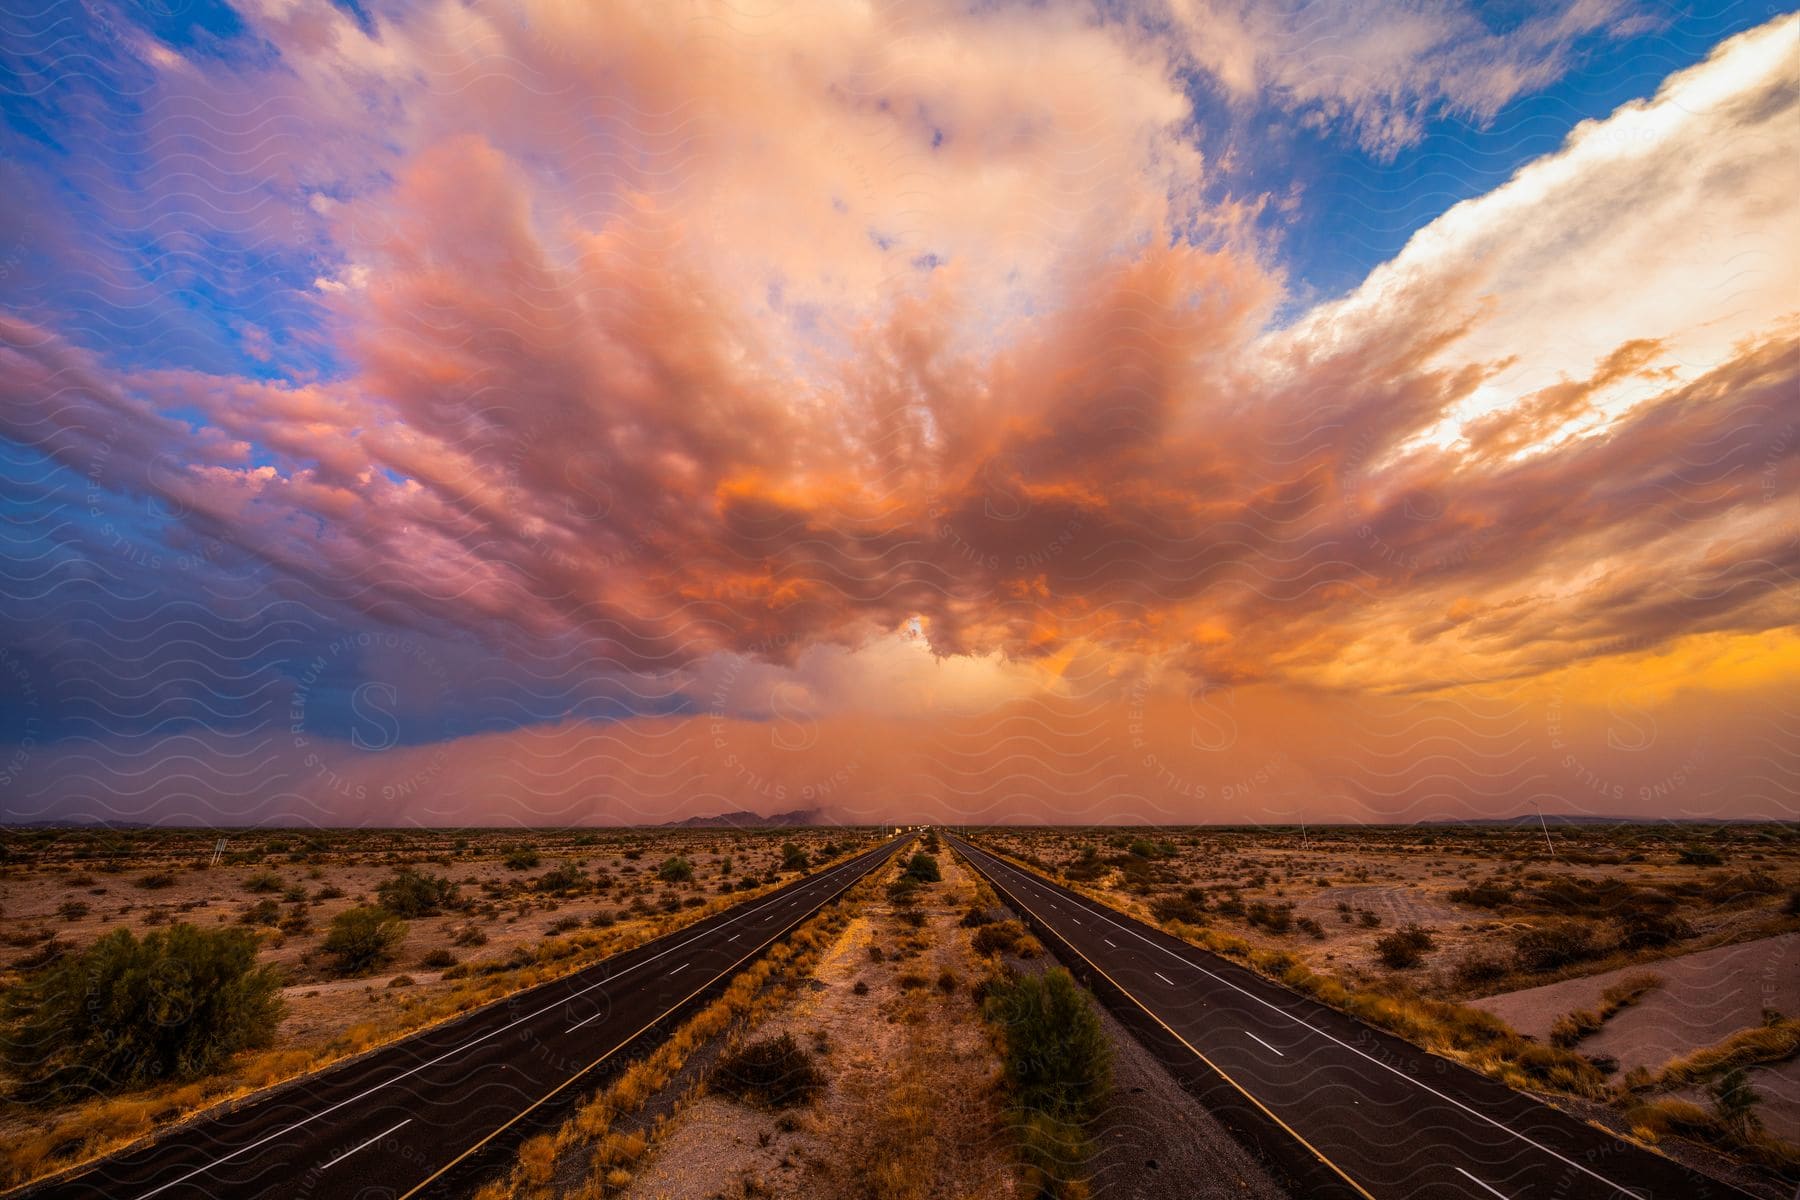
{"points": [[1001, 937], [1481, 895], [1276, 918], [1404, 948], [1057, 1057], [1368, 918], [520, 858], [1558, 944], [977, 917], [1145, 848], [1650, 930], [363, 939], [675, 870], [126, 1013], [156, 880], [1310, 927], [263, 912], [793, 858], [328, 892], [604, 919], [861, 988], [410, 893], [923, 868], [775, 1072], [565, 924], [1792, 907], [1188, 906], [947, 981], [1699, 856], [1058, 1066], [563, 878], [47, 952], [1476, 969], [911, 981], [73, 910], [263, 881], [1574, 895]]}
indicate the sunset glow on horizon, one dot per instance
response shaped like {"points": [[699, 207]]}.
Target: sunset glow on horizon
{"points": [[434, 413]]}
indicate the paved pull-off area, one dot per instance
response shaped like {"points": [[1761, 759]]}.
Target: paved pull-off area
{"points": [[1351, 1110], [411, 1118]]}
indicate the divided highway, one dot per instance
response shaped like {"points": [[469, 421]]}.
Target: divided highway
{"points": [[412, 1118], [1349, 1110]]}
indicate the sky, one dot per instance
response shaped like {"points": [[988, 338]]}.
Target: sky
{"points": [[1166, 411]]}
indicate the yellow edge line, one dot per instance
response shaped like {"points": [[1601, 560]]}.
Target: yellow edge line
{"points": [[525, 1112], [1291, 1131]]}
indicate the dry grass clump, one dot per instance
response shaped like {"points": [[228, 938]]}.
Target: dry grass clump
{"points": [[1572, 1027], [1776, 1041]]}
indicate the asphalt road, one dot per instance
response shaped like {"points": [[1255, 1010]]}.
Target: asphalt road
{"points": [[1342, 1108], [422, 1116]]}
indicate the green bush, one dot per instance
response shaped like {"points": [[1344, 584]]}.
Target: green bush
{"points": [[923, 868], [522, 858], [793, 858], [1058, 1071], [126, 1013], [1057, 1058], [563, 878], [363, 939], [412, 894], [997, 937], [1189, 906], [675, 870]]}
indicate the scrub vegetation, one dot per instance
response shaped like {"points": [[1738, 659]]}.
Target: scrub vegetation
{"points": [[209, 964]]}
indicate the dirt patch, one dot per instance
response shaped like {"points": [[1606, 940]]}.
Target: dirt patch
{"points": [[1703, 999], [911, 1107]]}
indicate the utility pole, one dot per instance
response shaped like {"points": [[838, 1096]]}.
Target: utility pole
{"points": [[1546, 831]]}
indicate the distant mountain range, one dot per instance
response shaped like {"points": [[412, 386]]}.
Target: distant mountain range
{"points": [[1591, 819], [749, 820]]}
